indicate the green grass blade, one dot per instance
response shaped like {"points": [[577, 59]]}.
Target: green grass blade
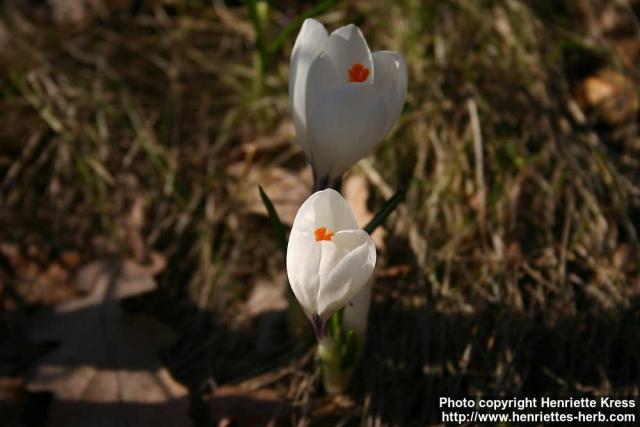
{"points": [[276, 224], [257, 11], [386, 210]]}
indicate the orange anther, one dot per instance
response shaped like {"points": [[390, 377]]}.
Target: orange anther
{"points": [[321, 234], [358, 73]]}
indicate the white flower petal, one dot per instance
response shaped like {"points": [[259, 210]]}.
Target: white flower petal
{"points": [[391, 80], [308, 45], [346, 264], [332, 211], [347, 46], [356, 313], [321, 78], [344, 124], [303, 258]]}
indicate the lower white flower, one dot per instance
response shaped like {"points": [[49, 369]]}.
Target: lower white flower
{"points": [[329, 259]]}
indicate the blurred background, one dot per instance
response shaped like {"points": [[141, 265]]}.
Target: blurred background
{"points": [[141, 282]]}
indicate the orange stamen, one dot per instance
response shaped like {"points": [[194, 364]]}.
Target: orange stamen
{"points": [[321, 234], [358, 73]]}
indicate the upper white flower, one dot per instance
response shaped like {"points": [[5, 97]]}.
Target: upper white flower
{"points": [[344, 98], [329, 259]]}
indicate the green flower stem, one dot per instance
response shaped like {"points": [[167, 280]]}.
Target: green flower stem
{"points": [[335, 377]]}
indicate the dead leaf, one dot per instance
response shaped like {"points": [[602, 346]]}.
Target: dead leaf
{"points": [[10, 388], [609, 97], [70, 259], [106, 370], [266, 305], [37, 284], [130, 228], [123, 278], [11, 401], [286, 189], [265, 297]]}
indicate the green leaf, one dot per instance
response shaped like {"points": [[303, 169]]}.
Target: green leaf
{"points": [[276, 224], [389, 206]]}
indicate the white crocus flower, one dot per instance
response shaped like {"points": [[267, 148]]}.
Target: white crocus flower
{"points": [[329, 259], [343, 97]]}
